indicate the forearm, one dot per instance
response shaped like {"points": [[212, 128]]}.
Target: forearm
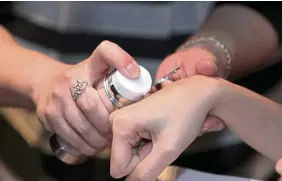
{"points": [[249, 36], [21, 70], [256, 119]]}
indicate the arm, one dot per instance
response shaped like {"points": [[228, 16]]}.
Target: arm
{"points": [[242, 28], [21, 70], [32, 80], [256, 119], [171, 122], [250, 31]]}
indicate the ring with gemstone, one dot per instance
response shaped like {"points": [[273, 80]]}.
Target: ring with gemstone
{"points": [[78, 88]]}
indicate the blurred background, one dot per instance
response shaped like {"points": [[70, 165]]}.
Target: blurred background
{"points": [[69, 32]]}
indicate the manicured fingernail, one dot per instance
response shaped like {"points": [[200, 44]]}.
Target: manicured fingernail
{"points": [[133, 70]]}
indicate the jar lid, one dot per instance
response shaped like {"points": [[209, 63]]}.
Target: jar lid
{"points": [[133, 89]]}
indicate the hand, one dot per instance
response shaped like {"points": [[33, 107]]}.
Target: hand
{"points": [[278, 167], [193, 61], [169, 120], [82, 123]]}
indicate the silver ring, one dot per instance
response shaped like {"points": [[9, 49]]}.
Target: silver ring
{"points": [[62, 154], [158, 84], [78, 87]]}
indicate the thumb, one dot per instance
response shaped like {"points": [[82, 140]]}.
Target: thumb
{"points": [[154, 163], [206, 67], [123, 161], [110, 54], [202, 67]]}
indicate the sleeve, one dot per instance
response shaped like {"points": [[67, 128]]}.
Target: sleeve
{"points": [[270, 10]]}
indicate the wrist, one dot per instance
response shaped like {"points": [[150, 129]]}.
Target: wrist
{"points": [[21, 74], [210, 88], [224, 94], [219, 45]]}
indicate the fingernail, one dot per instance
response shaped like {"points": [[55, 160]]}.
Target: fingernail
{"points": [[133, 70], [213, 62]]}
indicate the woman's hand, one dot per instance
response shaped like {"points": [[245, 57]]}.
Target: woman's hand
{"points": [[170, 119], [193, 61], [82, 121]]}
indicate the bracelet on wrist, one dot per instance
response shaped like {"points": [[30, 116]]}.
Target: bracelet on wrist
{"points": [[215, 46]]}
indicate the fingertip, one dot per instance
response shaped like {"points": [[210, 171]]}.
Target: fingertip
{"points": [[116, 174], [133, 70], [207, 68], [113, 55]]}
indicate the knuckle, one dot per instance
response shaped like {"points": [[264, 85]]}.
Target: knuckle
{"points": [[41, 115], [67, 76], [57, 93], [89, 104], [170, 152], [104, 45], [51, 112], [83, 128], [119, 121], [144, 176], [40, 111]]}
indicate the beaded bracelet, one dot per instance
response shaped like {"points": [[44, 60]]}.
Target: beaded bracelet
{"points": [[225, 62]]}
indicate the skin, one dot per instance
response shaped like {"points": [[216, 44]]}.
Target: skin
{"points": [[34, 81], [251, 116], [31, 80], [204, 59]]}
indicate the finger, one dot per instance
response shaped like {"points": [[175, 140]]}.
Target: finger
{"points": [[90, 103], [41, 116], [62, 129], [109, 54], [76, 119], [213, 123], [177, 60], [187, 61], [207, 68], [168, 65], [123, 159], [45, 123], [154, 163]]}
